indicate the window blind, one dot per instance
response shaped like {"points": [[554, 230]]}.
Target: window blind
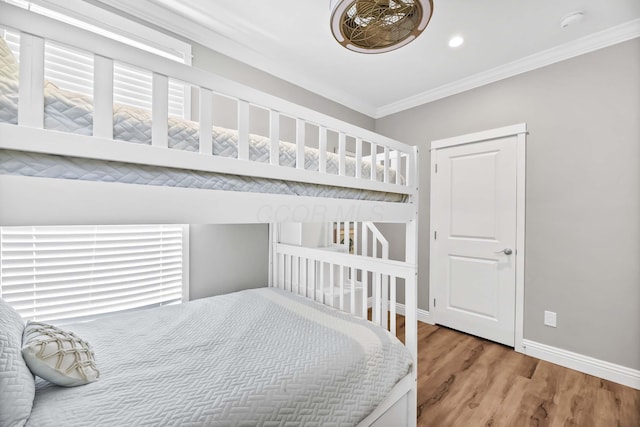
{"points": [[71, 69], [59, 273]]}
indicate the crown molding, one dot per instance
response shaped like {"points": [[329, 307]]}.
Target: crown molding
{"points": [[590, 43]]}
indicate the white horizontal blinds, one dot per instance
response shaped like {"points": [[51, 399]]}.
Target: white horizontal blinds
{"points": [[132, 86], [64, 272], [69, 69], [72, 70], [13, 41]]}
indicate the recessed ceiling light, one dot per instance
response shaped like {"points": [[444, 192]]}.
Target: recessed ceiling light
{"points": [[456, 41]]}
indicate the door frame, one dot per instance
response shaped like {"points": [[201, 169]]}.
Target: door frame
{"points": [[520, 131]]}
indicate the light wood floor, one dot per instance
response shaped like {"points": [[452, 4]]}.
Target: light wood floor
{"points": [[465, 381]]}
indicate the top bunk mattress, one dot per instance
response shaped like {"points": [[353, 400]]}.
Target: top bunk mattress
{"points": [[257, 357], [67, 111]]}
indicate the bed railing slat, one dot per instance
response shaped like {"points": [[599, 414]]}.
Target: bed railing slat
{"points": [[331, 284], [31, 90], [243, 130], [342, 279], [320, 286], [274, 136], [374, 162], [392, 326], [342, 153], [377, 312], [386, 164], [322, 148], [300, 128], [160, 111], [352, 300], [358, 157], [206, 121], [365, 292], [102, 97], [303, 277]]}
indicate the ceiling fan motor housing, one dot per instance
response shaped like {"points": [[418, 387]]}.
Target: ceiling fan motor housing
{"points": [[376, 26]]}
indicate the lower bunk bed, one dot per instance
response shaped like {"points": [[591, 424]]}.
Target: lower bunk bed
{"points": [[260, 357]]}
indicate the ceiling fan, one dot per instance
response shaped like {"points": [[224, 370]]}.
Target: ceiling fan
{"points": [[377, 26]]}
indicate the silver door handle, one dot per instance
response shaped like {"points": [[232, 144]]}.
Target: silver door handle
{"points": [[506, 251]]}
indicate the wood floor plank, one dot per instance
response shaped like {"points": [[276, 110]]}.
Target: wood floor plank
{"points": [[466, 381]]}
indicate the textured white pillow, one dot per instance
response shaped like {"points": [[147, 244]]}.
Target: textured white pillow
{"points": [[58, 356], [17, 386]]}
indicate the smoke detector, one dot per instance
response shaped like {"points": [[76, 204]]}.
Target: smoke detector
{"points": [[571, 18], [376, 26]]}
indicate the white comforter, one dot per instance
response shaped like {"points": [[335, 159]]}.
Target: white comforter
{"points": [[258, 357]]}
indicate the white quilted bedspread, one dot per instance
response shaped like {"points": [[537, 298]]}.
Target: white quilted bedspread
{"points": [[262, 357]]}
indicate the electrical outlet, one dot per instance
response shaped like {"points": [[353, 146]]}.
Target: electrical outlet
{"points": [[550, 318]]}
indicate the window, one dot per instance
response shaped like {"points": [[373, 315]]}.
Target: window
{"points": [[58, 273], [72, 70]]}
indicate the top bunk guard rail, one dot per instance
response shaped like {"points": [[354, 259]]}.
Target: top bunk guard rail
{"points": [[35, 29]]}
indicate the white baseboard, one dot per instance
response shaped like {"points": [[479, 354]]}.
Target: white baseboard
{"points": [[588, 365]]}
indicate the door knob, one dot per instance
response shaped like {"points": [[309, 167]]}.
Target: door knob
{"points": [[506, 251]]}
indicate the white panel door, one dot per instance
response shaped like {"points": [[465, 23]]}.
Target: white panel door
{"points": [[474, 248]]}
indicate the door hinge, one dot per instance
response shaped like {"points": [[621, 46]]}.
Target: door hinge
{"points": [[434, 302], [436, 168], [435, 235]]}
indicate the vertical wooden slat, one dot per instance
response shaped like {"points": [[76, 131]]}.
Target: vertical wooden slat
{"points": [[319, 289], [303, 277], [356, 236], [398, 167], [31, 88], [274, 135], [358, 157], [295, 275], [374, 162], [287, 273], [331, 285], [206, 121], [365, 292], [384, 300], [365, 240], [313, 278], [352, 300], [300, 128], [160, 111], [392, 326], [337, 238], [102, 97], [322, 147], [377, 303], [243, 130], [281, 271], [386, 164], [347, 235], [341, 153], [342, 278]]}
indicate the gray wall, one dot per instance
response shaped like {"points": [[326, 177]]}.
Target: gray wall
{"points": [[583, 192], [227, 258]]}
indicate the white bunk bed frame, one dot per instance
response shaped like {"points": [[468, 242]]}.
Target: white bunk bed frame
{"points": [[63, 201]]}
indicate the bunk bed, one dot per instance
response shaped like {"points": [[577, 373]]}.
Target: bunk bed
{"points": [[69, 159]]}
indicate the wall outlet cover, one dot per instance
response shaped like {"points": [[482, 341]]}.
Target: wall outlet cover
{"points": [[550, 318]]}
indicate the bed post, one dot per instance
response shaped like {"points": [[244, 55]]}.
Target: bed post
{"points": [[411, 292]]}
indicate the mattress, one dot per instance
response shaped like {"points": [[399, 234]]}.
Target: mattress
{"points": [[71, 112], [259, 357]]}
